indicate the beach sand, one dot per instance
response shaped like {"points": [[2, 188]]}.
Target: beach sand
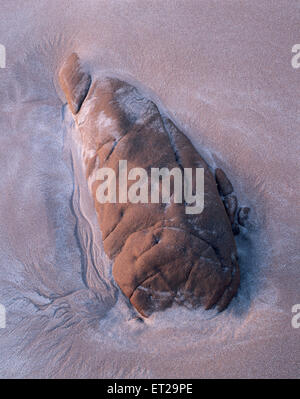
{"points": [[222, 70]]}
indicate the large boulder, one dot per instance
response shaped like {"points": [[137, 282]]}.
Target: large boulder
{"points": [[161, 254]]}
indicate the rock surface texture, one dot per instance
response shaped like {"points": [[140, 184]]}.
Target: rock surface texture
{"points": [[161, 254]]}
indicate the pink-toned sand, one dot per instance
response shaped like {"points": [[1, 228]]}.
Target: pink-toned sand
{"points": [[223, 70]]}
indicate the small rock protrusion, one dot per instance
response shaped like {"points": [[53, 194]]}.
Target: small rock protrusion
{"points": [[243, 215], [75, 82], [235, 229], [223, 183], [230, 204]]}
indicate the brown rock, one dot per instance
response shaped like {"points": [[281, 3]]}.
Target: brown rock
{"points": [[161, 254], [224, 185]]}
